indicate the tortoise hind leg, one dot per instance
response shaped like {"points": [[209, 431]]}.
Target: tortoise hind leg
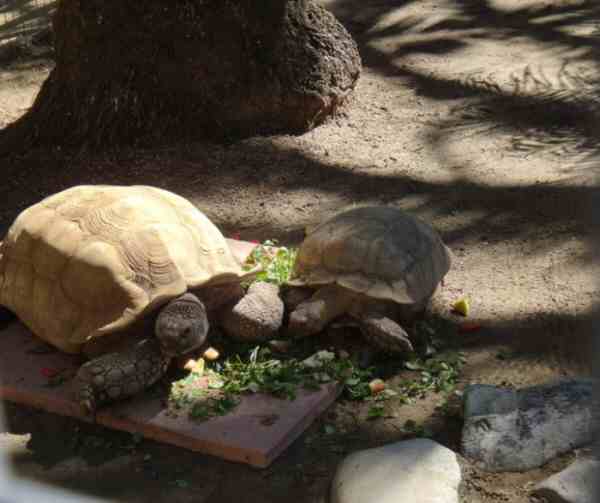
{"points": [[385, 334], [114, 376]]}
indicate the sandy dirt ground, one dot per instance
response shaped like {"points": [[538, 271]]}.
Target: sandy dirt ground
{"points": [[480, 117]]}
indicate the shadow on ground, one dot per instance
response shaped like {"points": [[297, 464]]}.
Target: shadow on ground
{"points": [[556, 109], [258, 169], [111, 464], [538, 113], [543, 111]]}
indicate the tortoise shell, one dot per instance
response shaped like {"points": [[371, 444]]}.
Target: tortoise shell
{"points": [[379, 251], [91, 260]]}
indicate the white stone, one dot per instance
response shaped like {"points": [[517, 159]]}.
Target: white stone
{"points": [[415, 471], [577, 483]]}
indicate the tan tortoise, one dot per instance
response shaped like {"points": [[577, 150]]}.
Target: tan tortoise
{"points": [[377, 264], [92, 260]]}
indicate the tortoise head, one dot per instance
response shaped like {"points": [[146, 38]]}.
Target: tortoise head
{"points": [[182, 325]]}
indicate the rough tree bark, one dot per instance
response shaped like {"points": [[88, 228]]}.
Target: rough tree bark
{"points": [[130, 71]]}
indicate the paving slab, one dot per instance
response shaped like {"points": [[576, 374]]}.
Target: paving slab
{"points": [[259, 429], [511, 430]]}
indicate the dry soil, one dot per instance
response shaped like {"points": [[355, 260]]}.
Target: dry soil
{"points": [[479, 116]]}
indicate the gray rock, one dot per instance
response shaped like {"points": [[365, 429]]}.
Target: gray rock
{"points": [[576, 484], [415, 471], [515, 430]]}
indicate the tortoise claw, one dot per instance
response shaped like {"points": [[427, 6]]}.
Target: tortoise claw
{"points": [[87, 407]]}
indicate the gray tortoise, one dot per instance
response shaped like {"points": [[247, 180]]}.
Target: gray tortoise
{"points": [[92, 261], [377, 264]]}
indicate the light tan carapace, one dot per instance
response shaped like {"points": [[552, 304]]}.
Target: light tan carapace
{"points": [[381, 252], [92, 259]]}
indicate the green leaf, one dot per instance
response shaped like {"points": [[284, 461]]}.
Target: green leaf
{"points": [[375, 412], [276, 265], [225, 404], [215, 384], [200, 411], [254, 354], [413, 365], [386, 393]]}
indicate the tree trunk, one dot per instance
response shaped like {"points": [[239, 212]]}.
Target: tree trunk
{"points": [[132, 71]]}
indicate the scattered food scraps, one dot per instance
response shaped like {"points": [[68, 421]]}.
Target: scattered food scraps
{"points": [[211, 354], [376, 386], [195, 366], [461, 306], [48, 373], [469, 327], [318, 359]]}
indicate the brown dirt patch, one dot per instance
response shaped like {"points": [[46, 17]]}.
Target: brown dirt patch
{"points": [[479, 117]]}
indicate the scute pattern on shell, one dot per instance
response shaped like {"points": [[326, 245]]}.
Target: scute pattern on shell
{"points": [[91, 259], [380, 251]]}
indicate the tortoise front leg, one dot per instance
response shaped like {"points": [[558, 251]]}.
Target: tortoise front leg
{"points": [[119, 375], [313, 315], [257, 316], [180, 327]]}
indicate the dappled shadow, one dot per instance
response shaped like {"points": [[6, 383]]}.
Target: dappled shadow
{"points": [[553, 110], [560, 120], [544, 23], [19, 18], [237, 184], [463, 21], [564, 341], [25, 31], [540, 115], [247, 174], [252, 171]]}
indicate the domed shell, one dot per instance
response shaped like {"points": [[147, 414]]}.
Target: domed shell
{"points": [[92, 259], [379, 251]]}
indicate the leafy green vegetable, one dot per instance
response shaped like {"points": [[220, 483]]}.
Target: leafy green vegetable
{"points": [[276, 262], [255, 369], [375, 411], [213, 406]]}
